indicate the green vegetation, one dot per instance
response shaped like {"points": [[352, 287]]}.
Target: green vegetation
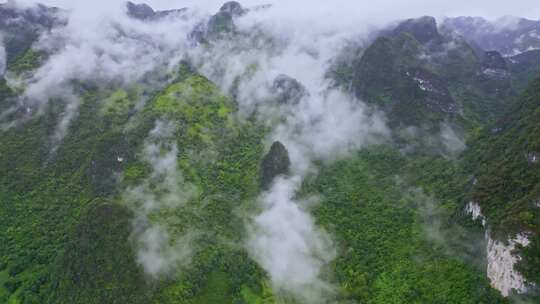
{"points": [[5, 93], [28, 61], [98, 264], [508, 186], [392, 247], [75, 249], [392, 74], [424, 84], [396, 217]]}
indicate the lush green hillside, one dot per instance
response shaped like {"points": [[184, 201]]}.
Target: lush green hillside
{"points": [[422, 77], [149, 194], [505, 161], [392, 235], [74, 246], [50, 193]]}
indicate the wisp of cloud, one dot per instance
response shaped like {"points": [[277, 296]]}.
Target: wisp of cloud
{"points": [[165, 189], [317, 122]]}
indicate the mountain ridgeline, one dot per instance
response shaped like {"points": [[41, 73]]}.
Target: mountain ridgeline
{"points": [[229, 162]]}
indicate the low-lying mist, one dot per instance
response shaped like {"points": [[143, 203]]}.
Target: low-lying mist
{"points": [[274, 65], [164, 190]]}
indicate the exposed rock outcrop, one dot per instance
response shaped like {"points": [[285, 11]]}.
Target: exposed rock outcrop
{"points": [[424, 29], [220, 24], [144, 12], [437, 95], [140, 11], [275, 163], [501, 261], [475, 211], [288, 90], [223, 21], [494, 60], [501, 257], [21, 27], [494, 65], [232, 8], [533, 158]]}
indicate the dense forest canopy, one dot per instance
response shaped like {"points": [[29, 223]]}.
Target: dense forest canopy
{"points": [[251, 153]]}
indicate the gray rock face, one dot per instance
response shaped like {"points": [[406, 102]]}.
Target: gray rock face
{"points": [[220, 24], [501, 257], [232, 8], [423, 29], [437, 96], [533, 158], [21, 27], [275, 163], [140, 11], [288, 90], [494, 60], [144, 12], [501, 262], [223, 21], [494, 65]]}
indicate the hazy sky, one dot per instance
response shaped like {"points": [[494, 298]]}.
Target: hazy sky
{"points": [[387, 9]]}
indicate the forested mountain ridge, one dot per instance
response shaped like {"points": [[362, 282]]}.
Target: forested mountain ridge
{"points": [[505, 191], [508, 35], [233, 162]]}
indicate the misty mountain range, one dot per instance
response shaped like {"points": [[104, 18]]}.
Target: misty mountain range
{"points": [[241, 156]]}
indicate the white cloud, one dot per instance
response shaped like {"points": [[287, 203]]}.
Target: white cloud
{"points": [[451, 141], [101, 43], [302, 39], [325, 124], [339, 9], [160, 249], [285, 241], [160, 254]]}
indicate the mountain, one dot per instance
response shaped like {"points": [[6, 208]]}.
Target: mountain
{"points": [[505, 192], [144, 12], [21, 27], [423, 76], [217, 158], [507, 35], [423, 29], [524, 67], [219, 24]]}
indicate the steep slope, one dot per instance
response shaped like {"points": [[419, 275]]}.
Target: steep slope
{"points": [[158, 189], [525, 68], [424, 77], [397, 243], [21, 27], [86, 168], [144, 12], [506, 194], [507, 35], [506, 156], [389, 74]]}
